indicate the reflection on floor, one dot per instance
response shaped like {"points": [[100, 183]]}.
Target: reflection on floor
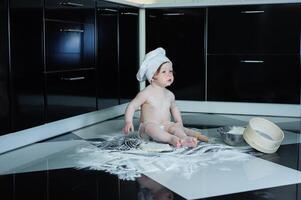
{"points": [[228, 177]]}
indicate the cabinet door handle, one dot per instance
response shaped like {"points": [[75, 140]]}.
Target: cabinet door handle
{"points": [[73, 78], [71, 4], [107, 9], [252, 11], [129, 13], [71, 30], [173, 14], [252, 61]]}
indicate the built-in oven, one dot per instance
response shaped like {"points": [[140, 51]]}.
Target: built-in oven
{"points": [[68, 45]]}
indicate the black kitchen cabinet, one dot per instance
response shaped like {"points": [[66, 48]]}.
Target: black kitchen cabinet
{"points": [[117, 53], [254, 29], [107, 55], [70, 10], [70, 76], [70, 93], [69, 34], [181, 32], [4, 77], [254, 53], [128, 53], [69, 45], [26, 58], [245, 78]]}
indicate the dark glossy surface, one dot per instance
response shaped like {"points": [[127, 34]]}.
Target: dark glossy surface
{"points": [[4, 79], [265, 79], [73, 10], [128, 53], [117, 53], [181, 33], [89, 184], [70, 48], [107, 55], [65, 184], [26, 26], [69, 45], [70, 93], [259, 29], [69, 34], [7, 187]]}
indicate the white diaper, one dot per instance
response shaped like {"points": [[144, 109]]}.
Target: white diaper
{"points": [[142, 132]]}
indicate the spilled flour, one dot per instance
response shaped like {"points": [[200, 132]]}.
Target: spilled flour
{"points": [[121, 155]]}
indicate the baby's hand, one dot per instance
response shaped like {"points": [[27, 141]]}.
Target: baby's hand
{"points": [[128, 127]]}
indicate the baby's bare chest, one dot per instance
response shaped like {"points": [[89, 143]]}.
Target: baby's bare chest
{"points": [[159, 102]]}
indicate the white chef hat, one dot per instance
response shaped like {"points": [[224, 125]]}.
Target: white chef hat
{"points": [[152, 61]]}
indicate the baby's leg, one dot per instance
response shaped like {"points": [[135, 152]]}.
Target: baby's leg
{"points": [[155, 132], [178, 131], [195, 134]]}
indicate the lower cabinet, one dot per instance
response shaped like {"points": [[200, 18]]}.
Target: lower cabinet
{"points": [[70, 93], [117, 53], [107, 55], [181, 33], [128, 53], [260, 79], [26, 64]]}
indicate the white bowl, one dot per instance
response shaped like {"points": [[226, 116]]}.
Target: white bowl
{"points": [[263, 135]]}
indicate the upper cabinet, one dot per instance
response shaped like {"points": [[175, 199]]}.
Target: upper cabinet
{"points": [[256, 29], [181, 32]]}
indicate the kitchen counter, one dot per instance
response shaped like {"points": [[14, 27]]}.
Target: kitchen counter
{"points": [[197, 3], [48, 169]]}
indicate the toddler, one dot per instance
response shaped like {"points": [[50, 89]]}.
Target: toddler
{"points": [[158, 105]]}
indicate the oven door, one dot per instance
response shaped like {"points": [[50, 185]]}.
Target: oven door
{"points": [[69, 45]]}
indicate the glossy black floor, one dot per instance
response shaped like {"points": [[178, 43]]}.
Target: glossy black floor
{"points": [[94, 185]]}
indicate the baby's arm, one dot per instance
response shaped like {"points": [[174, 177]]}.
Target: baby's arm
{"points": [[130, 110], [175, 112]]}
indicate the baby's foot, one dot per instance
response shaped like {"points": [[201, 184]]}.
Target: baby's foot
{"points": [[176, 142], [189, 142]]}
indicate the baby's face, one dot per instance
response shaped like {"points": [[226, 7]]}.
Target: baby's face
{"points": [[165, 76]]}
